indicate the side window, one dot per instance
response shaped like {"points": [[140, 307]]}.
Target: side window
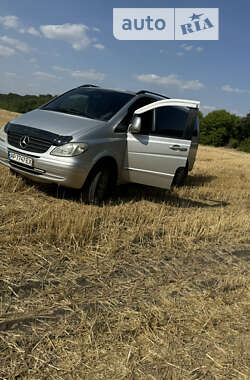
{"points": [[191, 127], [196, 127], [146, 122], [171, 121], [123, 126]]}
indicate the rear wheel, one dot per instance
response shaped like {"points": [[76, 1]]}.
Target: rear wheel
{"points": [[180, 176], [98, 185]]}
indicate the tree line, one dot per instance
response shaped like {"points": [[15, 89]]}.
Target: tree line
{"points": [[218, 128], [221, 128], [22, 103]]}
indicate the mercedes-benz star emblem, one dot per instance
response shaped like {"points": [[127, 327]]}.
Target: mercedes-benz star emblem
{"points": [[24, 142]]}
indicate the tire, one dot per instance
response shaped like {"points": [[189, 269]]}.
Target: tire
{"points": [[14, 173], [98, 185], [180, 177]]}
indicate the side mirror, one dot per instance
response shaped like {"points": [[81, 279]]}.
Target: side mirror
{"points": [[135, 126]]}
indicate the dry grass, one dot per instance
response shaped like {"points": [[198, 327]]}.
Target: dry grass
{"points": [[153, 285], [5, 116]]}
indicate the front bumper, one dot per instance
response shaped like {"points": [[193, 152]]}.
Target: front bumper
{"points": [[65, 171]]}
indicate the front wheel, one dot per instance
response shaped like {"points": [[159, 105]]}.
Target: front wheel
{"points": [[98, 185], [14, 173]]}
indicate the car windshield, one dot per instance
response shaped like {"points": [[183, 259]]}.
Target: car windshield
{"points": [[93, 103]]}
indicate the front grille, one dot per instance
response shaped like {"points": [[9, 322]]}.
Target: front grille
{"points": [[35, 144]]}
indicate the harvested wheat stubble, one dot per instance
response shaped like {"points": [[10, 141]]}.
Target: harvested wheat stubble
{"points": [[153, 285]]}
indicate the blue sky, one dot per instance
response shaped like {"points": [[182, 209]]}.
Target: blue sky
{"points": [[52, 46]]}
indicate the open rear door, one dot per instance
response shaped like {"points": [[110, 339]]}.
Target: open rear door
{"points": [[162, 144]]}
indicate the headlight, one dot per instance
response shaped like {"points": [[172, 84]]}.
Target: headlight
{"points": [[69, 150], [3, 135]]}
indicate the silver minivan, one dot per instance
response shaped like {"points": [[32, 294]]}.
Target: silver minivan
{"points": [[93, 138]]}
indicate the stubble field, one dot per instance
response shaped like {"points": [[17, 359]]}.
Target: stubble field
{"points": [[152, 285]]}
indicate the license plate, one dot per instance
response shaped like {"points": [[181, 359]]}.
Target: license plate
{"points": [[20, 158]]}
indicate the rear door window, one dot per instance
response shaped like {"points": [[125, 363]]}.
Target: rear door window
{"points": [[171, 121]]}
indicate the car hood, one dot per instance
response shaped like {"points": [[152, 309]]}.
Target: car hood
{"points": [[58, 123]]}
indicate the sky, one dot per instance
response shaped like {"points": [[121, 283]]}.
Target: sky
{"points": [[53, 46]]}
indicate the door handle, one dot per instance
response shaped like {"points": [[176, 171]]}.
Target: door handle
{"points": [[178, 148]]}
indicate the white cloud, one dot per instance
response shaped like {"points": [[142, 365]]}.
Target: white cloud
{"points": [[18, 45], [187, 47], [10, 22], [33, 60], [11, 75], [99, 46], [33, 31], [6, 51], [13, 22], [74, 34], [89, 75], [43, 75], [180, 53], [170, 80], [59, 68], [228, 88], [238, 113], [207, 109], [96, 30]]}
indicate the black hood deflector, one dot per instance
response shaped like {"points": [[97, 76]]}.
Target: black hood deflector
{"points": [[53, 138]]}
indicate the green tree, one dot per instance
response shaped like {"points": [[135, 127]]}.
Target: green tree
{"points": [[22, 103], [245, 145], [243, 131], [218, 127]]}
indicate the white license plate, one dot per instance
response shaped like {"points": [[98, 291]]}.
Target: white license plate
{"points": [[20, 158]]}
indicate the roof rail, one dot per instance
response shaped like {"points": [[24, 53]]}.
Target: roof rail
{"points": [[88, 85], [150, 92]]}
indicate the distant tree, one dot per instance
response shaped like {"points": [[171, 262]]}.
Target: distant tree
{"points": [[243, 131], [22, 103], [218, 127], [201, 115], [233, 143], [245, 145], [236, 128]]}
